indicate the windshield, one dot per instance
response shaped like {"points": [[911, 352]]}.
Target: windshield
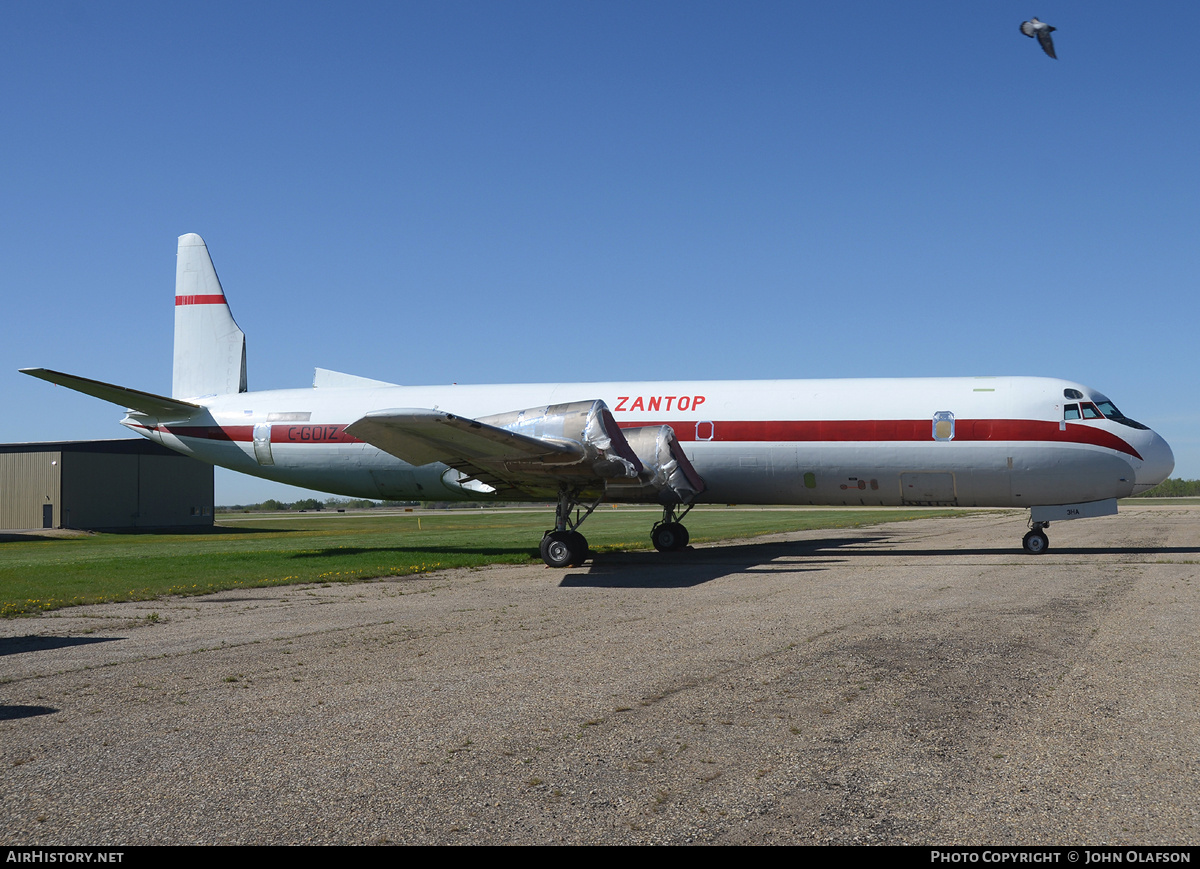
{"points": [[1110, 412]]}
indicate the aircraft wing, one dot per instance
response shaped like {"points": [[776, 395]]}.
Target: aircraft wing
{"points": [[533, 451], [421, 436], [541, 450], [133, 399]]}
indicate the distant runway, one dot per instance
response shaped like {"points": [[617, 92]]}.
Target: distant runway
{"points": [[918, 682]]}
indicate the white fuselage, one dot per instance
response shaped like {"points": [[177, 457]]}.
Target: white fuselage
{"points": [[983, 441]]}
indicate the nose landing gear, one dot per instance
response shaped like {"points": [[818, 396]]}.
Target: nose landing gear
{"points": [[1036, 542]]}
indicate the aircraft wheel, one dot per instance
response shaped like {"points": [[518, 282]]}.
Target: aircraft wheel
{"points": [[580, 546], [1036, 542], [564, 549], [669, 537]]}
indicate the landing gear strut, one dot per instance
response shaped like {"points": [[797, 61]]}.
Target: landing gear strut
{"points": [[669, 535], [564, 546], [1036, 542]]}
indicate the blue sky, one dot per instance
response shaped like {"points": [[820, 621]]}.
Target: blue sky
{"points": [[527, 191]]}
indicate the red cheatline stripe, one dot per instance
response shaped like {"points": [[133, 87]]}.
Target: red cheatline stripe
{"points": [[217, 299], [892, 430], [281, 433], [773, 431]]}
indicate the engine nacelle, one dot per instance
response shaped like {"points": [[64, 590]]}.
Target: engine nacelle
{"points": [[587, 425], [669, 476]]}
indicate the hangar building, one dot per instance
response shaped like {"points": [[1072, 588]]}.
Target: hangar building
{"points": [[107, 485]]}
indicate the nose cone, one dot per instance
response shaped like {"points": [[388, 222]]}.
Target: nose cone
{"points": [[1158, 462]]}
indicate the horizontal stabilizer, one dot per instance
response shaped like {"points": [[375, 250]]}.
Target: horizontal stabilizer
{"points": [[420, 436], [142, 402], [323, 378]]}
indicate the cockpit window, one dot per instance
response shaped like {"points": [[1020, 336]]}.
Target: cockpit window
{"points": [[1072, 393], [1101, 409], [1110, 412]]}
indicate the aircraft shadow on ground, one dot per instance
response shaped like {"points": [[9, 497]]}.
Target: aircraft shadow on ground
{"points": [[32, 643], [334, 552], [1050, 551], [696, 566], [1124, 550], [11, 713]]}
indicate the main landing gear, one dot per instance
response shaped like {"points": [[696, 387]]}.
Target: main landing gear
{"points": [[1036, 542], [669, 535], [564, 546]]}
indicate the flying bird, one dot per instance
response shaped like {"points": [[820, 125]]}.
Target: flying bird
{"points": [[1042, 31]]}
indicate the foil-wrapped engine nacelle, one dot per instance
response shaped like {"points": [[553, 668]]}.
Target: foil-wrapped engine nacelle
{"points": [[598, 447], [668, 475]]}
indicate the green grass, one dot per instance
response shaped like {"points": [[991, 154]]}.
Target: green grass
{"points": [[42, 574], [1159, 501]]}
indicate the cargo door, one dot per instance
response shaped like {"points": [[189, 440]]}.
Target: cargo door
{"points": [[924, 489]]}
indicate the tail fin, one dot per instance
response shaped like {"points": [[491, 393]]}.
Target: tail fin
{"points": [[210, 349]]}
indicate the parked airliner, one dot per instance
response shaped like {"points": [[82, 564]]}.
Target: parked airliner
{"points": [[1057, 447]]}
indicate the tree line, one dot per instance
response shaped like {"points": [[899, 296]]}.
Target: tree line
{"points": [[1173, 488], [312, 505]]}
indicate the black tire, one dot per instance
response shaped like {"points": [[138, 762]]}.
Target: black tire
{"points": [[579, 545], [1036, 542], [564, 549], [669, 537]]}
